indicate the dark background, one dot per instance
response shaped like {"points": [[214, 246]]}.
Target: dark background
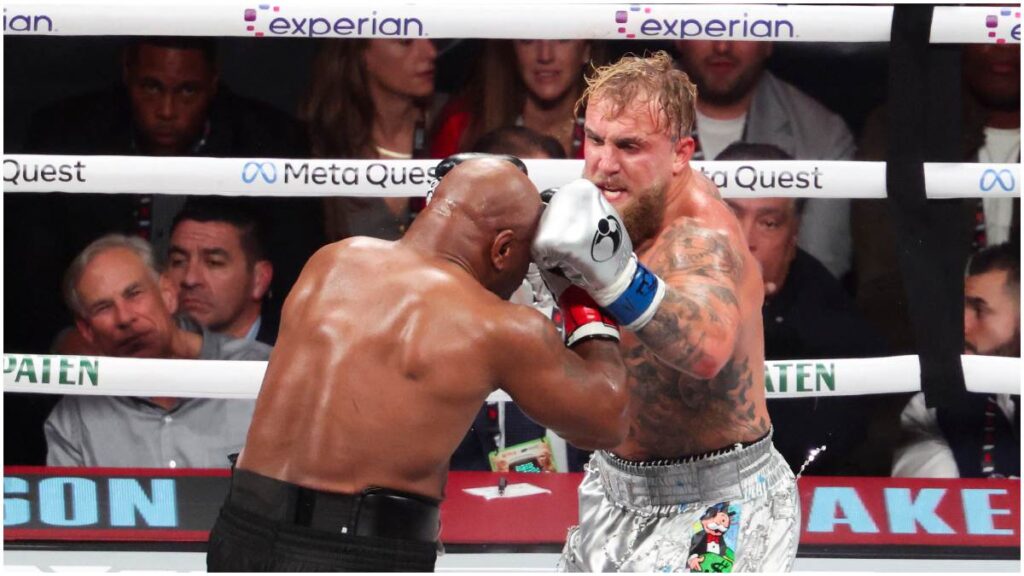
{"points": [[848, 78]]}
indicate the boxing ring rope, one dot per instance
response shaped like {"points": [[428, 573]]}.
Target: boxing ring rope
{"points": [[299, 177], [107, 376], [544, 20]]}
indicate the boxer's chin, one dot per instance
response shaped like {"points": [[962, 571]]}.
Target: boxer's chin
{"points": [[641, 215]]}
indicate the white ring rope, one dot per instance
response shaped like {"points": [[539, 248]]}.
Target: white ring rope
{"points": [[107, 376], [296, 177], [496, 19]]}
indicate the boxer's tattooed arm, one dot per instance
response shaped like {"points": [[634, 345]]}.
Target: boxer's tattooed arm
{"points": [[695, 327]]}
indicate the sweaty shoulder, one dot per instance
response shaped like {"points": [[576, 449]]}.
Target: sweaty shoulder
{"points": [[353, 247], [707, 209], [519, 334], [704, 239], [518, 320]]}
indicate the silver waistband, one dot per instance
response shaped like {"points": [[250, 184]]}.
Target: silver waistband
{"points": [[723, 476]]}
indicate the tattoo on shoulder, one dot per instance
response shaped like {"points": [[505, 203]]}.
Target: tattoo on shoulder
{"points": [[689, 248], [703, 270]]}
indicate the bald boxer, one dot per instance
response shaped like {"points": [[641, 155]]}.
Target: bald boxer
{"points": [[386, 350], [699, 447]]}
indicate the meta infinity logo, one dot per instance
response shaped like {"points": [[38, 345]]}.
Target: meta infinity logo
{"points": [[1003, 178], [265, 170]]}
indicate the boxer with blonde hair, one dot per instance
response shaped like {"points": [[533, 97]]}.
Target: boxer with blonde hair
{"points": [[690, 298]]}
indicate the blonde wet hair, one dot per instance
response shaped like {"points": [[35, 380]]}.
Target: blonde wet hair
{"points": [[654, 79]]}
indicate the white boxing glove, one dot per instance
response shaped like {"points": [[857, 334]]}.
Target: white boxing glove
{"points": [[582, 234]]}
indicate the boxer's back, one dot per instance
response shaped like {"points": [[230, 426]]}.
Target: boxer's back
{"points": [[380, 367]]}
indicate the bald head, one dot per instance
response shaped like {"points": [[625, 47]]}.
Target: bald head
{"points": [[491, 192], [488, 211]]}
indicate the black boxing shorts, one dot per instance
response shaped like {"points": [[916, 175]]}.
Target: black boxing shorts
{"points": [[267, 525]]}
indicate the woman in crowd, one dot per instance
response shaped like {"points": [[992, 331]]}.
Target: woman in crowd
{"points": [[531, 83], [369, 98]]}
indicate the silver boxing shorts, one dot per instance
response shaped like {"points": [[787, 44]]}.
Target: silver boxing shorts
{"points": [[732, 511]]}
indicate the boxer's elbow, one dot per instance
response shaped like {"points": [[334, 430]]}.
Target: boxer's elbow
{"points": [[709, 363], [708, 356], [608, 416]]}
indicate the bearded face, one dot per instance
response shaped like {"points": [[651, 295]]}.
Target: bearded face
{"points": [[630, 157], [642, 215]]}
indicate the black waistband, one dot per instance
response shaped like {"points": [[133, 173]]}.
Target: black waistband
{"points": [[691, 458], [379, 512]]}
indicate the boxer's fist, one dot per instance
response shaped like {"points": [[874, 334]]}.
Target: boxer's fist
{"points": [[583, 320], [581, 234]]}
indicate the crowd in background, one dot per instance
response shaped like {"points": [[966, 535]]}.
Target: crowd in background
{"points": [[165, 276]]}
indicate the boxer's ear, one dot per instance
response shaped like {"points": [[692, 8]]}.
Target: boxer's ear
{"points": [[503, 249], [682, 152]]}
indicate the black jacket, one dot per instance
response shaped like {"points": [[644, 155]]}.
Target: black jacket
{"points": [[810, 318]]}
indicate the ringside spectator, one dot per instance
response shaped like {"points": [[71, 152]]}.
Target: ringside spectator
{"points": [[171, 101], [529, 83], [124, 309], [739, 100], [980, 436], [218, 262], [370, 98], [807, 316]]}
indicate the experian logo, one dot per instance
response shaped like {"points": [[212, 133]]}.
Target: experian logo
{"points": [[265, 21], [1010, 29], [638, 21], [34, 23]]}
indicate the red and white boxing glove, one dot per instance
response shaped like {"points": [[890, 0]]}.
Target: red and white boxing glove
{"points": [[581, 234], [582, 318]]}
